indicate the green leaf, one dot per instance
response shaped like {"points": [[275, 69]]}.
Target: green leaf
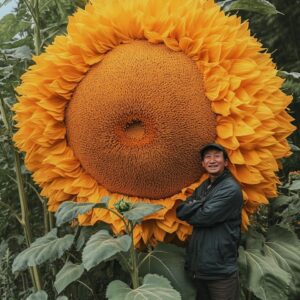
{"points": [[168, 260], [10, 25], [69, 273], [295, 186], [264, 278], [280, 202], [141, 210], [225, 4], [284, 246], [3, 248], [22, 52], [62, 298], [87, 231], [255, 240], [257, 6], [40, 295], [102, 246], [48, 247], [285, 210], [154, 287], [69, 210], [284, 74], [260, 274]]}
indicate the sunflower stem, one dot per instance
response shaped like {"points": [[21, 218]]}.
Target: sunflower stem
{"points": [[134, 267], [25, 215], [24, 220], [51, 220]]}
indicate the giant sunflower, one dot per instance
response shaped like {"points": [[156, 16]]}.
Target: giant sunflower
{"points": [[121, 105]]}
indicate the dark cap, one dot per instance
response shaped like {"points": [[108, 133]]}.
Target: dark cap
{"points": [[210, 147]]}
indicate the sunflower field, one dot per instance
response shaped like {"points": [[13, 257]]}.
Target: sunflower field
{"points": [[104, 106]]}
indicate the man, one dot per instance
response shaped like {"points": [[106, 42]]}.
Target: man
{"points": [[214, 211]]}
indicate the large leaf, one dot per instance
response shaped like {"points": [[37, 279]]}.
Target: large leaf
{"points": [[154, 287], [102, 246], [295, 186], [39, 295], [10, 26], [284, 246], [286, 210], [69, 273], [87, 231], [62, 298], [22, 52], [258, 6], [284, 74], [69, 210], [141, 210], [280, 202], [260, 274], [168, 260], [48, 247]]}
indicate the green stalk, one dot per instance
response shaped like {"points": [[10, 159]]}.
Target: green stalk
{"points": [[44, 203], [249, 297], [23, 199], [22, 196], [51, 220], [37, 29], [134, 267], [33, 7], [45, 209]]}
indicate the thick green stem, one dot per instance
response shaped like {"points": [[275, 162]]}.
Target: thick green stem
{"points": [[33, 7], [249, 297], [51, 220], [134, 267], [46, 217], [37, 29], [25, 215], [22, 197], [45, 208]]}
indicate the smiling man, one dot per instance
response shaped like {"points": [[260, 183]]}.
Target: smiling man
{"points": [[214, 211]]}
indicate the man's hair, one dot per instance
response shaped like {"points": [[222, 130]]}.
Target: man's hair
{"points": [[208, 147]]}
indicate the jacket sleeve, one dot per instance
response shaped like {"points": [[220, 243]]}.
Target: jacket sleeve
{"points": [[188, 207], [224, 203]]}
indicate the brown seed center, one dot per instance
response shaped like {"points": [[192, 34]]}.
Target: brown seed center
{"points": [[134, 129], [137, 120]]}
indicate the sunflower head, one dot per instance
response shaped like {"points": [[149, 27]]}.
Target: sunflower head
{"points": [[121, 105]]}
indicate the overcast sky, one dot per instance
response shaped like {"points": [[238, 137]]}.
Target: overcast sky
{"points": [[4, 10]]}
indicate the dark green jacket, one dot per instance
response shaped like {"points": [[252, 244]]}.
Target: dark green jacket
{"points": [[215, 214]]}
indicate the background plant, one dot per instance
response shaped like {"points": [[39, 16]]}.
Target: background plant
{"points": [[100, 247], [273, 237]]}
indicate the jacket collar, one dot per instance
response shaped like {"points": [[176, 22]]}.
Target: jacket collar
{"points": [[226, 173]]}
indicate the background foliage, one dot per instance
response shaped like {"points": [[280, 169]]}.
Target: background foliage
{"points": [[270, 251]]}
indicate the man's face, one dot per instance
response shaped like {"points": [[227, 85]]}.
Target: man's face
{"points": [[213, 162]]}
